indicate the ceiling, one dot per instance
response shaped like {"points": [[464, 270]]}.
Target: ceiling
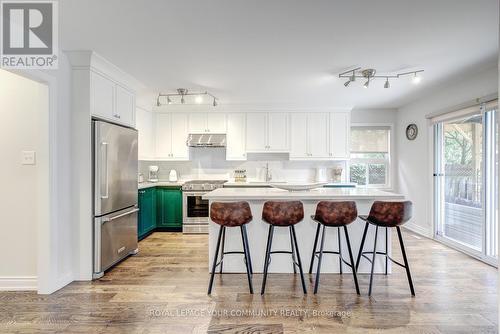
{"points": [[286, 52]]}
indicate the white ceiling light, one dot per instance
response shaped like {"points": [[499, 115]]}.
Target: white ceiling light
{"points": [[369, 74], [182, 97]]}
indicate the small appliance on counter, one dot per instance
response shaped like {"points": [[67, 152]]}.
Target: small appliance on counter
{"points": [[240, 175], [337, 174], [172, 176], [153, 173], [321, 174], [140, 178]]}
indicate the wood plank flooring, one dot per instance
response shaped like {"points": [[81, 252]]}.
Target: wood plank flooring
{"points": [[163, 290]]}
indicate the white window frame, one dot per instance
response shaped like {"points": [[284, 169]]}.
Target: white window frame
{"points": [[388, 161]]}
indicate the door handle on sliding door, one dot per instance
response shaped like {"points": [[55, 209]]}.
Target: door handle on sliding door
{"points": [[104, 165]]}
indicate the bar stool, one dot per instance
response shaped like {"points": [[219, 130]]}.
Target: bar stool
{"points": [[283, 214], [333, 214], [233, 214], [388, 215]]}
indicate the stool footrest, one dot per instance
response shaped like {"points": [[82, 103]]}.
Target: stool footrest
{"points": [[333, 252], [386, 255]]}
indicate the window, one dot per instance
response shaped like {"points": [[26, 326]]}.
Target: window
{"points": [[370, 156]]}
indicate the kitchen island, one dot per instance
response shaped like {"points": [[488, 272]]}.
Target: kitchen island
{"points": [[281, 263]]}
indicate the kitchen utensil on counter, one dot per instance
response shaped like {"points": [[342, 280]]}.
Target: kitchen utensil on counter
{"points": [[337, 174], [153, 173], [321, 174], [140, 178], [172, 176]]}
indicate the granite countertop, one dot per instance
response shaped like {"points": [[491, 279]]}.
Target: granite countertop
{"points": [[260, 194]]}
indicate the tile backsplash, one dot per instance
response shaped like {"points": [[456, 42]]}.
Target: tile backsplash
{"points": [[211, 163]]}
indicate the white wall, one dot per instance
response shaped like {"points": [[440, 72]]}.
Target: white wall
{"points": [[414, 157], [23, 106]]}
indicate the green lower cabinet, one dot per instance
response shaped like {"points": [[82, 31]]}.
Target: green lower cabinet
{"points": [[169, 208], [147, 212]]}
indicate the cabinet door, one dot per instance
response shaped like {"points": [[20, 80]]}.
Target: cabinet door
{"points": [[340, 132], [298, 138], [102, 96], [256, 138], [169, 205], [180, 151], [216, 122], [147, 211], [124, 106], [163, 135], [197, 122], [277, 129], [317, 134], [144, 126], [235, 146]]}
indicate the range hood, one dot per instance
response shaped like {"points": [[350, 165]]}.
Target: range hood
{"points": [[206, 140]]}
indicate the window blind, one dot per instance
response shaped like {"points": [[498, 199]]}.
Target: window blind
{"points": [[369, 139]]}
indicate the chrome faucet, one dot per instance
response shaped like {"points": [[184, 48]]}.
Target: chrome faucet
{"points": [[269, 176]]}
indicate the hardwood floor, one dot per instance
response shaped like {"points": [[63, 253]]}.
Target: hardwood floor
{"points": [[163, 290]]}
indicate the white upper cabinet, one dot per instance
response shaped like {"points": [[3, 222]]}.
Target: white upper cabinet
{"points": [[340, 135], [144, 124], [309, 136], [171, 133], [111, 101], [235, 138], [267, 132], [317, 135], [207, 122]]}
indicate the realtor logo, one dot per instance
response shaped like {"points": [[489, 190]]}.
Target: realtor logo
{"points": [[29, 34]]}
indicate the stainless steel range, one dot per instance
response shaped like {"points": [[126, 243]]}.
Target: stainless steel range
{"points": [[195, 210]]}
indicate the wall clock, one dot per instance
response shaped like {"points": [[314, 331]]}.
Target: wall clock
{"points": [[411, 131]]}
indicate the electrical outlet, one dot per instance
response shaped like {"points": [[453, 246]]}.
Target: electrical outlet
{"points": [[28, 158]]}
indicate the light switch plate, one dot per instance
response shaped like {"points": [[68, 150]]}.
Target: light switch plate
{"points": [[28, 158]]}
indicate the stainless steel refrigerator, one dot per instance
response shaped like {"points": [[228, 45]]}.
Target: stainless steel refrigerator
{"points": [[115, 194]]}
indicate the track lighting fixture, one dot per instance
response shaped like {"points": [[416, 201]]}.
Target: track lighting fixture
{"points": [[183, 96], [369, 74], [387, 84]]}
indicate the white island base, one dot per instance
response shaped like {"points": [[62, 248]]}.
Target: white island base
{"points": [[257, 230]]}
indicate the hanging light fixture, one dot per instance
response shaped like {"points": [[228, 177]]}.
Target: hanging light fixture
{"points": [[369, 74], [387, 84], [183, 93]]}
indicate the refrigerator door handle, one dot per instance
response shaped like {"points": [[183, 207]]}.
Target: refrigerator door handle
{"points": [[105, 220], [104, 150]]}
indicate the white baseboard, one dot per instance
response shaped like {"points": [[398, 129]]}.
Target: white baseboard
{"points": [[24, 283], [419, 230]]}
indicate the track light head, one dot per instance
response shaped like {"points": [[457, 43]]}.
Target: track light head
{"points": [[347, 83], [416, 78], [367, 83], [387, 84]]}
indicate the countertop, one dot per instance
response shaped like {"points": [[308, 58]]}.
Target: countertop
{"points": [[144, 185], [314, 194], [260, 184]]}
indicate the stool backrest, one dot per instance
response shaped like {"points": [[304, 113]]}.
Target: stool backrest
{"points": [[283, 213], [230, 213], [390, 213], [336, 213]]}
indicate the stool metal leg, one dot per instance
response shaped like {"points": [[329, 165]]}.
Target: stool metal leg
{"points": [[247, 261], [340, 251], [373, 261], [214, 264], [351, 258], [386, 249], [293, 251], [407, 267], [268, 255], [361, 246], [248, 247], [318, 271], [222, 249], [313, 256], [298, 259]]}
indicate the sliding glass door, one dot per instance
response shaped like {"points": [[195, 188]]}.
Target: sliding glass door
{"points": [[465, 182]]}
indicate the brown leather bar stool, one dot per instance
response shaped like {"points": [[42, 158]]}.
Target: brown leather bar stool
{"points": [[333, 214], [233, 214], [283, 214], [388, 215]]}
